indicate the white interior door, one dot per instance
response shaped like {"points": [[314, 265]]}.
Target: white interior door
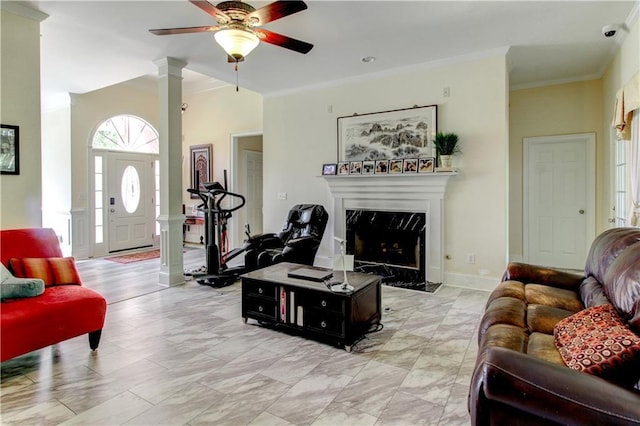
{"points": [[130, 204], [559, 198], [253, 191]]}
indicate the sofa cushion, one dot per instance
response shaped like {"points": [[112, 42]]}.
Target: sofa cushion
{"points": [[550, 296], [542, 318], [514, 289], [60, 313], [505, 336], [543, 346], [596, 341], [14, 288], [503, 310], [52, 270]]}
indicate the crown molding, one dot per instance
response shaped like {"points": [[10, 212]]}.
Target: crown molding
{"points": [[20, 9]]}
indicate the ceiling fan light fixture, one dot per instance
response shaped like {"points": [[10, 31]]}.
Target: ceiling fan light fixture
{"points": [[236, 42]]}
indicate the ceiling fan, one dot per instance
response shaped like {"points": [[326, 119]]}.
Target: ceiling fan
{"points": [[238, 29]]}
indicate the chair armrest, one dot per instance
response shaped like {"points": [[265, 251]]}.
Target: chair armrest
{"points": [[526, 273], [258, 237], [301, 242], [264, 241], [510, 381]]}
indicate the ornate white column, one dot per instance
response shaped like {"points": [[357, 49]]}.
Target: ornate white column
{"points": [[171, 217]]}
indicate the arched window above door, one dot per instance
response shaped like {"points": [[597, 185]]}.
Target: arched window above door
{"points": [[126, 133]]}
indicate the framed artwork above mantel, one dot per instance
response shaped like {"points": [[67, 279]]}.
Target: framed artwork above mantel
{"points": [[396, 134]]}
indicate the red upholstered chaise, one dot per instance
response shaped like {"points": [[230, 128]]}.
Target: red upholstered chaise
{"points": [[60, 313]]}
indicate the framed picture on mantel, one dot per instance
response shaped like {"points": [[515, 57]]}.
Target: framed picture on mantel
{"points": [[329, 169], [343, 168], [395, 134]]}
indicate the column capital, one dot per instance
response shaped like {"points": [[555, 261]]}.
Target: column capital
{"points": [[170, 66]]}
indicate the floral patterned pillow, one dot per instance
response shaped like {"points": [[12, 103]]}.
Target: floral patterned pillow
{"points": [[596, 341]]}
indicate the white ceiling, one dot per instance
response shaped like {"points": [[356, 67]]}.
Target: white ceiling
{"points": [[87, 45]]}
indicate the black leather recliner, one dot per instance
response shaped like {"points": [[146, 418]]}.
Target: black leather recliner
{"points": [[298, 241]]}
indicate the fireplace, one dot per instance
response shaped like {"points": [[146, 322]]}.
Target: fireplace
{"points": [[409, 193], [388, 243]]}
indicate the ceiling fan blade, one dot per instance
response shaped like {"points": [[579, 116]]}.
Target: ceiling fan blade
{"points": [[185, 30], [211, 9], [276, 10], [283, 41]]}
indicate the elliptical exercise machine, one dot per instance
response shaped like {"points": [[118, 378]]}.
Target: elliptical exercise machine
{"points": [[218, 274]]}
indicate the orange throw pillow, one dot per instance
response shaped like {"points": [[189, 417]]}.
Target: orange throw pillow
{"points": [[52, 270]]}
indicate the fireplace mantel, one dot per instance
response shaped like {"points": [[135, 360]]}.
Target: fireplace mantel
{"points": [[422, 193], [400, 186]]}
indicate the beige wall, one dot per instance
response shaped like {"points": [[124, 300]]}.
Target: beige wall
{"points": [[20, 195], [544, 111], [212, 117], [300, 135]]}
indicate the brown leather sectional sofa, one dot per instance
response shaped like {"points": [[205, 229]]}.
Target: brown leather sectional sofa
{"points": [[520, 377]]}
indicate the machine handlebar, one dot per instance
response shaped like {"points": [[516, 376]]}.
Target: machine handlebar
{"points": [[212, 194]]}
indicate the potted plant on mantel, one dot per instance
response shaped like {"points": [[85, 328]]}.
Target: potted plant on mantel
{"points": [[446, 146]]}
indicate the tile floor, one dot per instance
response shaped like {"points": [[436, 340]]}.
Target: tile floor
{"points": [[183, 356]]}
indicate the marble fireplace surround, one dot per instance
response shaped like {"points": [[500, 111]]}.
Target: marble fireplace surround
{"points": [[419, 193]]}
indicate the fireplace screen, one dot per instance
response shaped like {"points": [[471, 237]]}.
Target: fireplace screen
{"points": [[386, 238], [399, 248]]}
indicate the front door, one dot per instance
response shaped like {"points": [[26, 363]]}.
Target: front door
{"points": [[559, 198], [130, 204]]}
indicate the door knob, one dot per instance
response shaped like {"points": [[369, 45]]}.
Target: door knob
{"points": [[112, 210], [581, 211]]}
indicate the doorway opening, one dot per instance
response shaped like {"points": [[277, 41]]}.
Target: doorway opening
{"points": [[246, 179]]}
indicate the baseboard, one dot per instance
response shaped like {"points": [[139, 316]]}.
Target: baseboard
{"points": [[474, 282], [516, 258]]}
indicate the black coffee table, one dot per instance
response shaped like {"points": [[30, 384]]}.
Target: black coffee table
{"points": [[310, 308]]}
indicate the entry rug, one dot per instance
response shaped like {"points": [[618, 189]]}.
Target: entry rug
{"points": [[135, 257]]}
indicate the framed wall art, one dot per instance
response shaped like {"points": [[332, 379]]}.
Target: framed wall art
{"points": [[329, 169], [395, 166], [355, 167], [343, 168], [401, 133], [201, 166], [426, 165], [410, 165], [382, 166], [9, 149], [368, 167]]}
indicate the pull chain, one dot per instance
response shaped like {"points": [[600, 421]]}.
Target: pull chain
{"points": [[236, 75]]}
